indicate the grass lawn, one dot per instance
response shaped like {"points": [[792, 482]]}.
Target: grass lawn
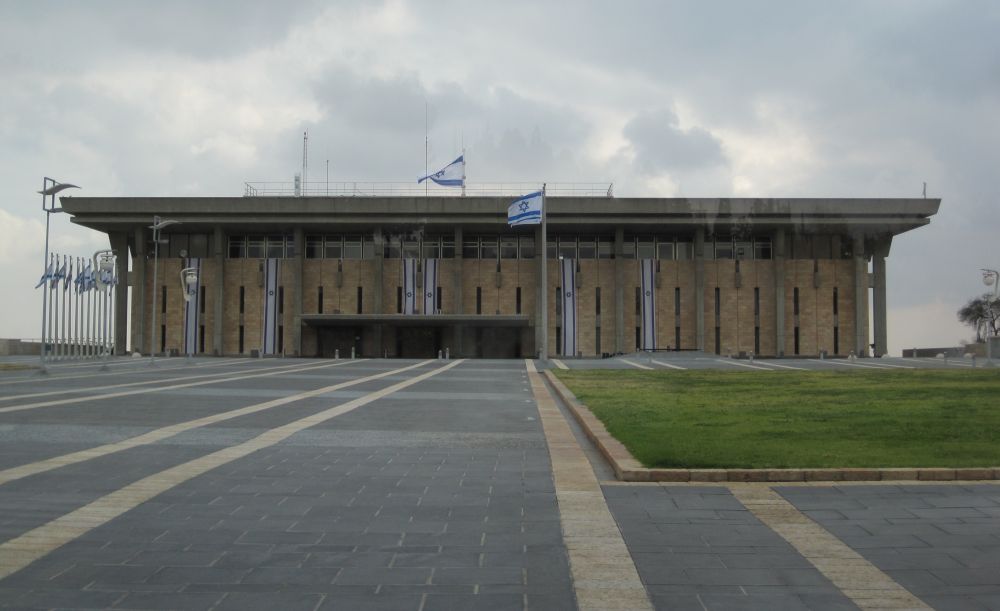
{"points": [[713, 419]]}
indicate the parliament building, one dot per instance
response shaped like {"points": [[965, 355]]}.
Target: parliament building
{"points": [[409, 276]]}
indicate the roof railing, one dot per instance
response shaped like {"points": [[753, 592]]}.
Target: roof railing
{"points": [[410, 189]]}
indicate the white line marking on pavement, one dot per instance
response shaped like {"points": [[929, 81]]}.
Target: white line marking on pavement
{"points": [[861, 581], [139, 391], [952, 361], [559, 364], [636, 365], [21, 551], [530, 365], [36, 378], [603, 572], [662, 364], [21, 471], [882, 363], [837, 362], [739, 364], [772, 364], [66, 391]]}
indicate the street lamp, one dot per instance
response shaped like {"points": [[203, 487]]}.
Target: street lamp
{"points": [[157, 226], [49, 190], [991, 277]]}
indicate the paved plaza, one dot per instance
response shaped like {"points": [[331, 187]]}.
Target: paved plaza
{"points": [[430, 484]]}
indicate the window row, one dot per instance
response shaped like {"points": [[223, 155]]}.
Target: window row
{"points": [[261, 247]]}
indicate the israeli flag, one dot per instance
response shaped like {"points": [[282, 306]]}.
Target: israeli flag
{"points": [[568, 274], [69, 277], [59, 275], [451, 175], [46, 276], [526, 211], [647, 281], [430, 286], [409, 286]]}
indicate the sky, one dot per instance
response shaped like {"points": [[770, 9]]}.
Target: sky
{"points": [[665, 99]]}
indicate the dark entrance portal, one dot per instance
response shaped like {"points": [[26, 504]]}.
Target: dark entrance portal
{"points": [[418, 342], [331, 339]]}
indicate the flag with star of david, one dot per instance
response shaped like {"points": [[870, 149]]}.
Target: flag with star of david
{"points": [[272, 307], [192, 308], [526, 210], [647, 282], [568, 278], [409, 286], [430, 286]]}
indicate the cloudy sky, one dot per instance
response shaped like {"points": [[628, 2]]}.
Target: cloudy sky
{"points": [[768, 98]]}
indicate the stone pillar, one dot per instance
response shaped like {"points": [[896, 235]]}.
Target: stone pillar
{"points": [[881, 251], [297, 265], [779, 291], [139, 267], [379, 245], [860, 292], [218, 320], [619, 289], [458, 302], [119, 244], [699, 286], [541, 330]]}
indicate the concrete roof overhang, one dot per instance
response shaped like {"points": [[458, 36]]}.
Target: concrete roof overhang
{"points": [[414, 320], [872, 216]]}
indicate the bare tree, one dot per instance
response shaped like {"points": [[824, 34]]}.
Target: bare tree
{"points": [[982, 314]]}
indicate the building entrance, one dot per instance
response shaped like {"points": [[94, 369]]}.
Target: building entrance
{"points": [[418, 342], [331, 339]]}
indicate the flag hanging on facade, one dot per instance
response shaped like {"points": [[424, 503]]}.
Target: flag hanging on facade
{"points": [[568, 269], [272, 307], [451, 175], [409, 286], [430, 286], [647, 281], [526, 210], [192, 307]]}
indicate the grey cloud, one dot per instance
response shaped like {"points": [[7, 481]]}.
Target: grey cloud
{"points": [[661, 145]]}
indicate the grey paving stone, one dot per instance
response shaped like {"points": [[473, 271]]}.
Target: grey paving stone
{"points": [[171, 600], [288, 600]]}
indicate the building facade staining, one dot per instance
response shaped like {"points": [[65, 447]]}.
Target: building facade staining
{"points": [[409, 276]]}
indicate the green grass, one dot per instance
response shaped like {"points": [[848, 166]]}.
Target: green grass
{"points": [[716, 419]]}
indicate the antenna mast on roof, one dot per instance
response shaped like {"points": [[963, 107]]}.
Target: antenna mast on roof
{"points": [[305, 159]]}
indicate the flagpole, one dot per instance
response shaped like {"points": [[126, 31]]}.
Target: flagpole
{"points": [[425, 147], [463, 171], [543, 352]]}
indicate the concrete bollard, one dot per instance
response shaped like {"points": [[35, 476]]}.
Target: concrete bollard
{"points": [[447, 354], [440, 355], [751, 356], [336, 354], [352, 353]]}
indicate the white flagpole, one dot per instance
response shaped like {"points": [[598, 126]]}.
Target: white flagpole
{"points": [[65, 319], [543, 353], [464, 161]]}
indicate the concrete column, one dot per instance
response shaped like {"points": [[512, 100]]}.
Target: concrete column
{"points": [[860, 292], [779, 254], [541, 333], [218, 321], [699, 286], [881, 251], [300, 252], [139, 267], [619, 289], [458, 302], [379, 275], [119, 244]]}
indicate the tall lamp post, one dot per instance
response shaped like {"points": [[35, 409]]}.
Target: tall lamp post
{"points": [[49, 190], [189, 288], [157, 227], [991, 277]]}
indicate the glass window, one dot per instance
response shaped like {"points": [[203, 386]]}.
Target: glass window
{"points": [[723, 248], [551, 250], [762, 248], [742, 251], [447, 248], [255, 247], [470, 248], [275, 246], [333, 247], [237, 246], [665, 250], [567, 247], [392, 248], [198, 245], [488, 247], [588, 248], [605, 248], [431, 248], [526, 244], [508, 247], [644, 249], [846, 248], [290, 246], [352, 247], [822, 247], [314, 247], [177, 243], [684, 250], [628, 248], [411, 249], [367, 246]]}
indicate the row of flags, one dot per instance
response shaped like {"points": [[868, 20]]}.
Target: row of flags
{"points": [[87, 277], [525, 210]]}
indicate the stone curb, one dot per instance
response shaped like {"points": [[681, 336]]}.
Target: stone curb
{"points": [[628, 469]]}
